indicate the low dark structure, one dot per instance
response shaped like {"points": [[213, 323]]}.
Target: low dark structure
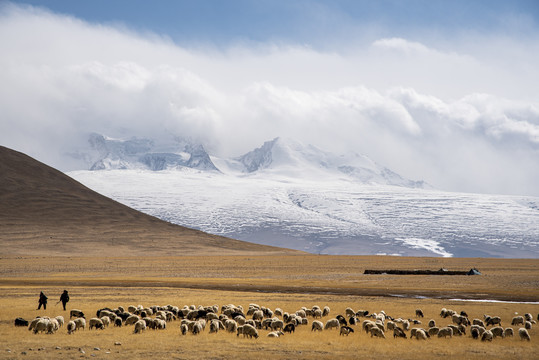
{"points": [[442, 271]]}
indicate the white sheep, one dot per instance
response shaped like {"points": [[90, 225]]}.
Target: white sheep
{"points": [[498, 331], [528, 325], [52, 326], [80, 323], [277, 324], [376, 331], [140, 326], [349, 312], [332, 323], [432, 323], [71, 327], [420, 334], [160, 324], [528, 317], [326, 311], [278, 312], [275, 334], [445, 331], [41, 325], [317, 313], [132, 319], [517, 320], [105, 320], [196, 328], [97, 323], [250, 331], [487, 336], [523, 334], [345, 330], [60, 320], [231, 325], [433, 331], [214, 326], [33, 323], [317, 325], [479, 322]]}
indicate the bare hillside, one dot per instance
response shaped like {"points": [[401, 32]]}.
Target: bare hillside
{"points": [[43, 211]]}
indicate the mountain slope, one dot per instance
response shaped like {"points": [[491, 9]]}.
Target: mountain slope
{"points": [[43, 211]]}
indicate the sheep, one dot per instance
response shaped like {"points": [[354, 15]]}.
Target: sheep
{"points": [[445, 331], [214, 326], [80, 323], [406, 325], [419, 313], [277, 324], [140, 326], [456, 330], [258, 315], [487, 336], [498, 331], [376, 331], [60, 320], [398, 332], [432, 323], [420, 334], [52, 326], [76, 314], [433, 331], [41, 325], [289, 328], [275, 334], [390, 325], [160, 324], [33, 323], [495, 320], [325, 311], [250, 331], [331, 323], [71, 327], [479, 322], [480, 329], [475, 333], [523, 334], [367, 325], [517, 320], [342, 320], [97, 323], [317, 313], [132, 320], [459, 319], [317, 325], [528, 317], [301, 313], [508, 332], [118, 322], [345, 330], [349, 312], [231, 325], [184, 329], [105, 320], [362, 313], [21, 322]]}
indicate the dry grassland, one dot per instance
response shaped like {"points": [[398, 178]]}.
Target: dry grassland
{"points": [[286, 282]]}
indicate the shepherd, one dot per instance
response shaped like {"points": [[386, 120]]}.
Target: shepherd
{"points": [[64, 298], [42, 301]]}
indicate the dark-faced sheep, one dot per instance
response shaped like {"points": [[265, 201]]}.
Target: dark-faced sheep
{"points": [[445, 331], [96, 323], [76, 314], [398, 332], [494, 320], [289, 328], [420, 334], [345, 330], [508, 332], [21, 322], [517, 320], [498, 331], [71, 327], [419, 313]]}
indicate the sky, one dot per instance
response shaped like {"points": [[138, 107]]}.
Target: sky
{"points": [[441, 91]]}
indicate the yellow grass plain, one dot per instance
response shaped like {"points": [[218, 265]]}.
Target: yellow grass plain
{"points": [[288, 282]]}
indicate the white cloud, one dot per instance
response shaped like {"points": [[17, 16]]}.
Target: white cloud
{"points": [[454, 118]]}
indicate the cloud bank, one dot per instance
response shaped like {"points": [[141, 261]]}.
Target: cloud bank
{"points": [[461, 119]]}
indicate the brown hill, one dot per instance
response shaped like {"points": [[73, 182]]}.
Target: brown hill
{"points": [[43, 211]]}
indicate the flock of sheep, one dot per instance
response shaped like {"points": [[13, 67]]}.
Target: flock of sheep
{"points": [[233, 319]]}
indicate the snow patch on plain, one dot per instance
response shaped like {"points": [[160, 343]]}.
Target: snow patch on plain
{"points": [[429, 245]]}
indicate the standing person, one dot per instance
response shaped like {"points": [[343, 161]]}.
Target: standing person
{"points": [[42, 301], [64, 298]]}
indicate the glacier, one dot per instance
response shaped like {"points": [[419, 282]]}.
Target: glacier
{"points": [[300, 197]]}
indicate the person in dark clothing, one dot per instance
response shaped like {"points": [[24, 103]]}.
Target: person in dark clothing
{"points": [[64, 298], [42, 301]]}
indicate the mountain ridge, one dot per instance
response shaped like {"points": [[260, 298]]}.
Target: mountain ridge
{"points": [[58, 215]]}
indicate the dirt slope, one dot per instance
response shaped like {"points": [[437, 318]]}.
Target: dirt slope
{"points": [[45, 212]]}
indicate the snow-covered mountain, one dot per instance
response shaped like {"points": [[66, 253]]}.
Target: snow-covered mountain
{"points": [[291, 195], [141, 153]]}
